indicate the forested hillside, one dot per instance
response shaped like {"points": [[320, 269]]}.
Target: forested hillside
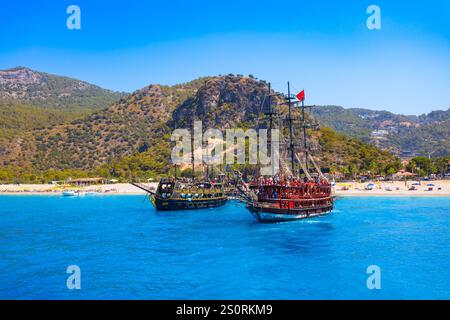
{"points": [[402, 135], [131, 138]]}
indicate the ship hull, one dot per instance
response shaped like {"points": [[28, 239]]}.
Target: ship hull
{"points": [[182, 204], [278, 215]]}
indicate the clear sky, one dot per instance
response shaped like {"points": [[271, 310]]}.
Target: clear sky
{"points": [[322, 46]]}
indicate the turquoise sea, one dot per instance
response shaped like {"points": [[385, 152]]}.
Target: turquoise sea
{"points": [[127, 250]]}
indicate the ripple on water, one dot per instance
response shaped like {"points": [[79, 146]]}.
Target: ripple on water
{"points": [[126, 249]]}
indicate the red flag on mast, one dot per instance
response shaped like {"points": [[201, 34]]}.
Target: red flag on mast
{"points": [[301, 95]]}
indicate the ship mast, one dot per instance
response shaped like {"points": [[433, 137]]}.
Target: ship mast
{"points": [[175, 165], [291, 141], [175, 172], [270, 113], [305, 142], [192, 153]]}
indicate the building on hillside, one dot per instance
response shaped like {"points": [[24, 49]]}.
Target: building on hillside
{"points": [[380, 133], [403, 174], [88, 181]]}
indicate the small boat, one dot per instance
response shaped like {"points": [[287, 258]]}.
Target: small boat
{"points": [[174, 193], [182, 194], [70, 193], [179, 195]]}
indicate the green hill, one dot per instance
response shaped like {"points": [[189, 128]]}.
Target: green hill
{"points": [[17, 118], [132, 136], [402, 135], [30, 99], [49, 91]]}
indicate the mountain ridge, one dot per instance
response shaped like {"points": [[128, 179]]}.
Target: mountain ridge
{"points": [[132, 136], [45, 90], [403, 135], [31, 99]]}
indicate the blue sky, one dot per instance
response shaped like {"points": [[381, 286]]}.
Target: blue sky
{"points": [[320, 46]]}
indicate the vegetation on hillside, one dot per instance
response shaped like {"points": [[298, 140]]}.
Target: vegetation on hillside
{"points": [[43, 90], [423, 166], [351, 157], [424, 135], [131, 138], [36, 100], [16, 118]]}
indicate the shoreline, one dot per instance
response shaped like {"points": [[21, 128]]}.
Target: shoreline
{"points": [[57, 190], [342, 189], [400, 195], [338, 195], [437, 188], [59, 194]]}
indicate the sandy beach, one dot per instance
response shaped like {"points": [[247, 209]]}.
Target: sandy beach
{"points": [[49, 189], [396, 188]]}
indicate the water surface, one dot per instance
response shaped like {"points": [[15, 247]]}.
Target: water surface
{"points": [[127, 250]]}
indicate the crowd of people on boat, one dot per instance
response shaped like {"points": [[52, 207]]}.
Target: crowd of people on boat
{"points": [[289, 181], [279, 187]]}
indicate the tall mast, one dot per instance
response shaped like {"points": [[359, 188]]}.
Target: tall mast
{"points": [[270, 129], [175, 125], [305, 142], [270, 115], [192, 153], [269, 112], [291, 145]]}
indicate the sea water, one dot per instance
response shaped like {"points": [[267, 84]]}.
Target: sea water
{"points": [[126, 250]]}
